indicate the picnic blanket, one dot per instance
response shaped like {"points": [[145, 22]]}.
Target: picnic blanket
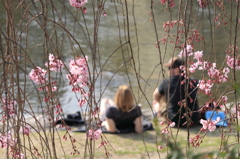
{"points": [[146, 126], [76, 120]]}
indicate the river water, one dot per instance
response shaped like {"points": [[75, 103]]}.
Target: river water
{"points": [[113, 27]]}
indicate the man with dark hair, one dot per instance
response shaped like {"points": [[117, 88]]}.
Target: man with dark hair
{"points": [[180, 94]]}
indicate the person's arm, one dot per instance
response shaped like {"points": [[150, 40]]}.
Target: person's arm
{"points": [[156, 96], [138, 125], [111, 102], [110, 125]]}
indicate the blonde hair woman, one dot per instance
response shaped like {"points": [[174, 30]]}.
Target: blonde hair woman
{"points": [[123, 114]]}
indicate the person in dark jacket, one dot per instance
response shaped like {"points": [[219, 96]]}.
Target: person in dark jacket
{"points": [[181, 96]]}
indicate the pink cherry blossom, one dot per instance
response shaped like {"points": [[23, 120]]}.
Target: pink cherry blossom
{"points": [[226, 70], [84, 10], [94, 134], [26, 130], [163, 1], [19, 155], [217, 75], [78, 3], [7, 140], [54, 64], [38, 75], [235, 110], [79, 73], [213, 72], [81, 102], [198, 55], [195, 141], [170, 3], [54, 88], [193, 67], [51, 57], [172, 124], [222, 78], [78, 67], [165, 131], [102, 144], [230, 62], [209, 125], [205, 65], [160, 147], [161, 123], [224, 99], [205, 86], [186, 51], [58, 106], [203, 3], [40, 88], [8, 107]]}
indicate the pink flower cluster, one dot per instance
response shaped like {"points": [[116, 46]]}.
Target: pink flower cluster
{"points": [[209, 125], [170, 24], [203, 3], [78, 3], [205, 86], [8, 107], [102, 144], [212, 103], [195, 141], [26, 130], [78, 77], [230, 62], [94, 134], [165, 131], [194, 35], [216, 75], [38, 75], [78, 73], [170, 2], [235, 112], [59, 109], [54, 63], [169, 124], [160, 147], [7, 141], [186, 51]]}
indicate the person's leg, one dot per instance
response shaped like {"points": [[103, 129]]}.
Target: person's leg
{"points": [[69, 122]]}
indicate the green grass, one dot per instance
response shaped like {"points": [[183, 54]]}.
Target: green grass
{"points": [[128, 145]]}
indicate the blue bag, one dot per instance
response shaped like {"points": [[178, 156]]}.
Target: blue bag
{"points": [[212, 115]]}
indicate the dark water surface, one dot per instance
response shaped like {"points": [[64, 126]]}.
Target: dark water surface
{"points": [[112, 28]]}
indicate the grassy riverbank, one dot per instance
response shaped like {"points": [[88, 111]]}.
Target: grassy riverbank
{"points": [[125, 146]]}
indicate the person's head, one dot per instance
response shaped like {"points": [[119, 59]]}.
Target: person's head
{"points": [[174, 66], [124, 99]]}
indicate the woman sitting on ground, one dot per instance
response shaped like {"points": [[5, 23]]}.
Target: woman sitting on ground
{"points": [[123, 114]]}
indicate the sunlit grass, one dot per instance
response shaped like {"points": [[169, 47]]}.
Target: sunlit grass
{"points": [[130, 145]]}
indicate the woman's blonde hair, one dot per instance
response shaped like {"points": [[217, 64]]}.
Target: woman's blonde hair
{"points": [[124, 99]]}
